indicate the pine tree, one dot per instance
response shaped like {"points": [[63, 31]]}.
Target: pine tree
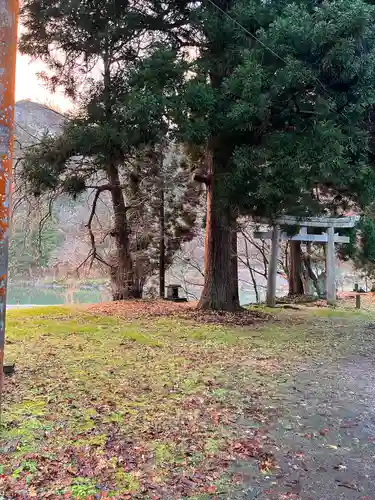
{"points": [[279, 99], [275, 94], [165, 204], [172, 203], [118, 118]]}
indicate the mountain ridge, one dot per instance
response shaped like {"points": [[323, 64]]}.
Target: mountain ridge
{"points": [[33, 120]]}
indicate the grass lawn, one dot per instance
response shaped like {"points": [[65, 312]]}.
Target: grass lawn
{"points": [[157, 408]]}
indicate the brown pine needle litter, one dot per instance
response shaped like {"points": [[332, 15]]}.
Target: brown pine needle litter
{"points": [[147, 309], [153, 399]]}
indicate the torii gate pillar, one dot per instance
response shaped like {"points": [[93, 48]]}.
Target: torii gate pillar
{"points": [[9, 10], [331, 264]]}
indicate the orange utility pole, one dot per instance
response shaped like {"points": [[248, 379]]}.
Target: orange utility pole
{"points": [[9, 10]]}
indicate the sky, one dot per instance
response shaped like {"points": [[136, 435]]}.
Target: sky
{"points": [[28, 86]]}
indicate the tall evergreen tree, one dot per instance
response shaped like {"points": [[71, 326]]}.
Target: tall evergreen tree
{"points": [[91, 49], [276, 95], [279, 99]]}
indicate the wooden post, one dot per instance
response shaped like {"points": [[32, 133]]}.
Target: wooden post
{"points": [[331, 282], [272, 268], [358, 301]]}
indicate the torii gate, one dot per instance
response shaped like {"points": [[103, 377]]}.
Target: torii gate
{"points": [[329, 237], [8, 50]]}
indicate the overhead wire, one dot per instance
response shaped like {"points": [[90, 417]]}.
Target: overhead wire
{"points": [[26, 131], [269, 49], [275, 54]]}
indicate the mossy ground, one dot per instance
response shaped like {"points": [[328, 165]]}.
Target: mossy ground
{"points": [[156, 408]]}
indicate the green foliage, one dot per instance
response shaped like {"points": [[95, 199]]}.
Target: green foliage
{"points": [[367, 235], [287, 115], [361, 249], [83, 488], [292, 125], [277, 93], [127, 482], [28, 466]]}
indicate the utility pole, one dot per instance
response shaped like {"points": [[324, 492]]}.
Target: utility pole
{"points": [[160, 159], [9, 10], [272, 267], [162, 241]]}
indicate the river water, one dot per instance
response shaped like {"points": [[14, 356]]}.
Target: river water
{"points": [[53, 295], [21, 294]]}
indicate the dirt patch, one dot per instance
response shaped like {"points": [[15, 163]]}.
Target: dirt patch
{"points": [[143, 309], [241, 318], [140, 309]]}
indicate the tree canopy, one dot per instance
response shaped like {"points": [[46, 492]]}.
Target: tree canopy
{"points": [[276, 97], [115, 144]]}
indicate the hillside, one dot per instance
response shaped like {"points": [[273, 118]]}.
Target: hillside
{"points": [[32, 120]]}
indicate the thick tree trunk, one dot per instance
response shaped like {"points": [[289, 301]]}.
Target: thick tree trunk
{"points": [[124, 285], [220, 290], [162, 246], [306, 259], [295, 269], [122, 276]]}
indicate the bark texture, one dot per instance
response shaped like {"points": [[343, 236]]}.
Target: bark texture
{"points": [[236, 296], [122, 277], [220, 290], [295, 269], [307, 262]]}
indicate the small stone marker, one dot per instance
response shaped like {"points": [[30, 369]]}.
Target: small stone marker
{"points": [[8, 369], [172, 293]]}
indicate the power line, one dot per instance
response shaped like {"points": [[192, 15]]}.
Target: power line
{"points": [[254, 37], [246, 30], [25, 130]]}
